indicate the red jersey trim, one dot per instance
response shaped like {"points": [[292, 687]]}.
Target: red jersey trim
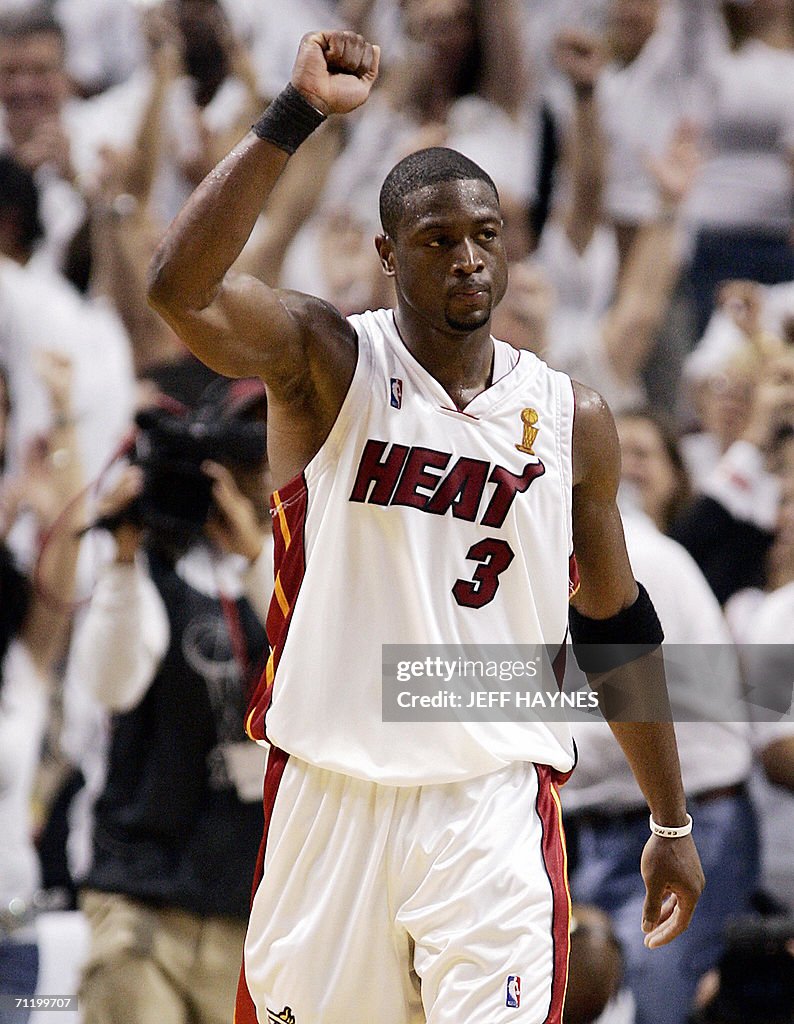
{"points": [[244, 1009], [288, 509], [555, 859]]}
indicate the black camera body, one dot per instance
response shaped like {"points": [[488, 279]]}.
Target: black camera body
{"points": [[176, 498]]}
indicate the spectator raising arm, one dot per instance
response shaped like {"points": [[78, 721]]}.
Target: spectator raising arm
{"points": [[579, 55], [738, 508], [651, 269], [52, 485], [215, 143], [501, 33], [124, 230]]}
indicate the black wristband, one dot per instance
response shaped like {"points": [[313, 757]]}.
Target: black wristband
{"points": [[600, 645], [288, 121]]}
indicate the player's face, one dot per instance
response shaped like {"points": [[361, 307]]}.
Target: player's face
{"points": [[448, 258]]}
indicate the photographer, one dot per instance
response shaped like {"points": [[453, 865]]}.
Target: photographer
{"points": [[171, 647]]}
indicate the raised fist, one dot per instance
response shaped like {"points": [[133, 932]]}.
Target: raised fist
{"points": [[335, 71], [579, 55], [675, 170]]}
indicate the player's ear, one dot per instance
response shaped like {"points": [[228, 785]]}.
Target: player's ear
{"points": [[385, 249]]}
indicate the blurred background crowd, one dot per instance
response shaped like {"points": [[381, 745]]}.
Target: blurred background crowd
{"points": [[644, 155]]}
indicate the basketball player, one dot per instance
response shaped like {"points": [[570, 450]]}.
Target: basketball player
{"points": [[431, 486]]}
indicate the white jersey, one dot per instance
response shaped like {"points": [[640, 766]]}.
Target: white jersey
{"points": [[416, 523]]}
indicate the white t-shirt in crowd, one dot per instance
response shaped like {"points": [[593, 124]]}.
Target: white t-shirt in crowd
{"points": [[764, 625], [41, 311], [584, 285], [641, 103], [747, 181]]}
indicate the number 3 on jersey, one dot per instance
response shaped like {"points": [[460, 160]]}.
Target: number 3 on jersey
{"points": [[494, 557]]}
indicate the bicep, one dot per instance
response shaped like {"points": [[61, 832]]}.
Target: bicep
{"points": [[246, 330], [607, 583], [299, 345]]}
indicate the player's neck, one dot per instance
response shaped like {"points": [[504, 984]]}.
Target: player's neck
{"points": [[461, 363]]}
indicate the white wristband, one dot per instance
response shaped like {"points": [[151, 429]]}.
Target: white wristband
{"points": [[669, 832]]}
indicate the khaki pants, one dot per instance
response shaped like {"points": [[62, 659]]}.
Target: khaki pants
{"points": [[158, 966]]}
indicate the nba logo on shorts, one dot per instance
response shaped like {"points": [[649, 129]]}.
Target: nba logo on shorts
{"points": [[513, 991], [396, 397]]}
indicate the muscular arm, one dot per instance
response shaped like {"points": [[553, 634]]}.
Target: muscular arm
{"points": [[669, 866], [235, 324], [302, 348], [292, 203]]}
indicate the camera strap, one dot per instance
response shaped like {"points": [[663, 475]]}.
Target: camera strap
{"points": [[231, 614]]}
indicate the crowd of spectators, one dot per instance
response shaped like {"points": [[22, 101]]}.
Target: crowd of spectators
{"points": [[644, 155]]}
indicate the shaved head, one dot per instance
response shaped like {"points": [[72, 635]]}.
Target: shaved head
{"points": [[418, 170]]}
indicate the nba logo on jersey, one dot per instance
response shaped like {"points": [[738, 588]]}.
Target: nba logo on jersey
{"points": [[396, 396], [513, 991], [285, 1017]]}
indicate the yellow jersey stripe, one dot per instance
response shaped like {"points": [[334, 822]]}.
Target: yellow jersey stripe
{"points": [[282, 520], [281, 597]]}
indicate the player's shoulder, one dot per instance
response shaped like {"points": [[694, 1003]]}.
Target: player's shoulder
{"points": [[595, 440], [591, 407], [594, 424], [528, 364], [314, 315]]}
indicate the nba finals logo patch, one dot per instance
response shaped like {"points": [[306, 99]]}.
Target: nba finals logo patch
{"points": [[396, 393], [529, 417], [513, 998], [285, 1017]]}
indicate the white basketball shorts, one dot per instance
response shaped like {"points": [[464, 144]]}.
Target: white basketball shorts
{"points": [[398, 905]]}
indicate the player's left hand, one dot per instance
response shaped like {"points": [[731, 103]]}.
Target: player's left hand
{"points": [[674, 881]]}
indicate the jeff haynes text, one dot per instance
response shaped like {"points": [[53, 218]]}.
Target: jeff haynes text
{"points": [[497, 699]]}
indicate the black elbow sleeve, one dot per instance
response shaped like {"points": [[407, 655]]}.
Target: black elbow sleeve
{"points": [[600, 645]]}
